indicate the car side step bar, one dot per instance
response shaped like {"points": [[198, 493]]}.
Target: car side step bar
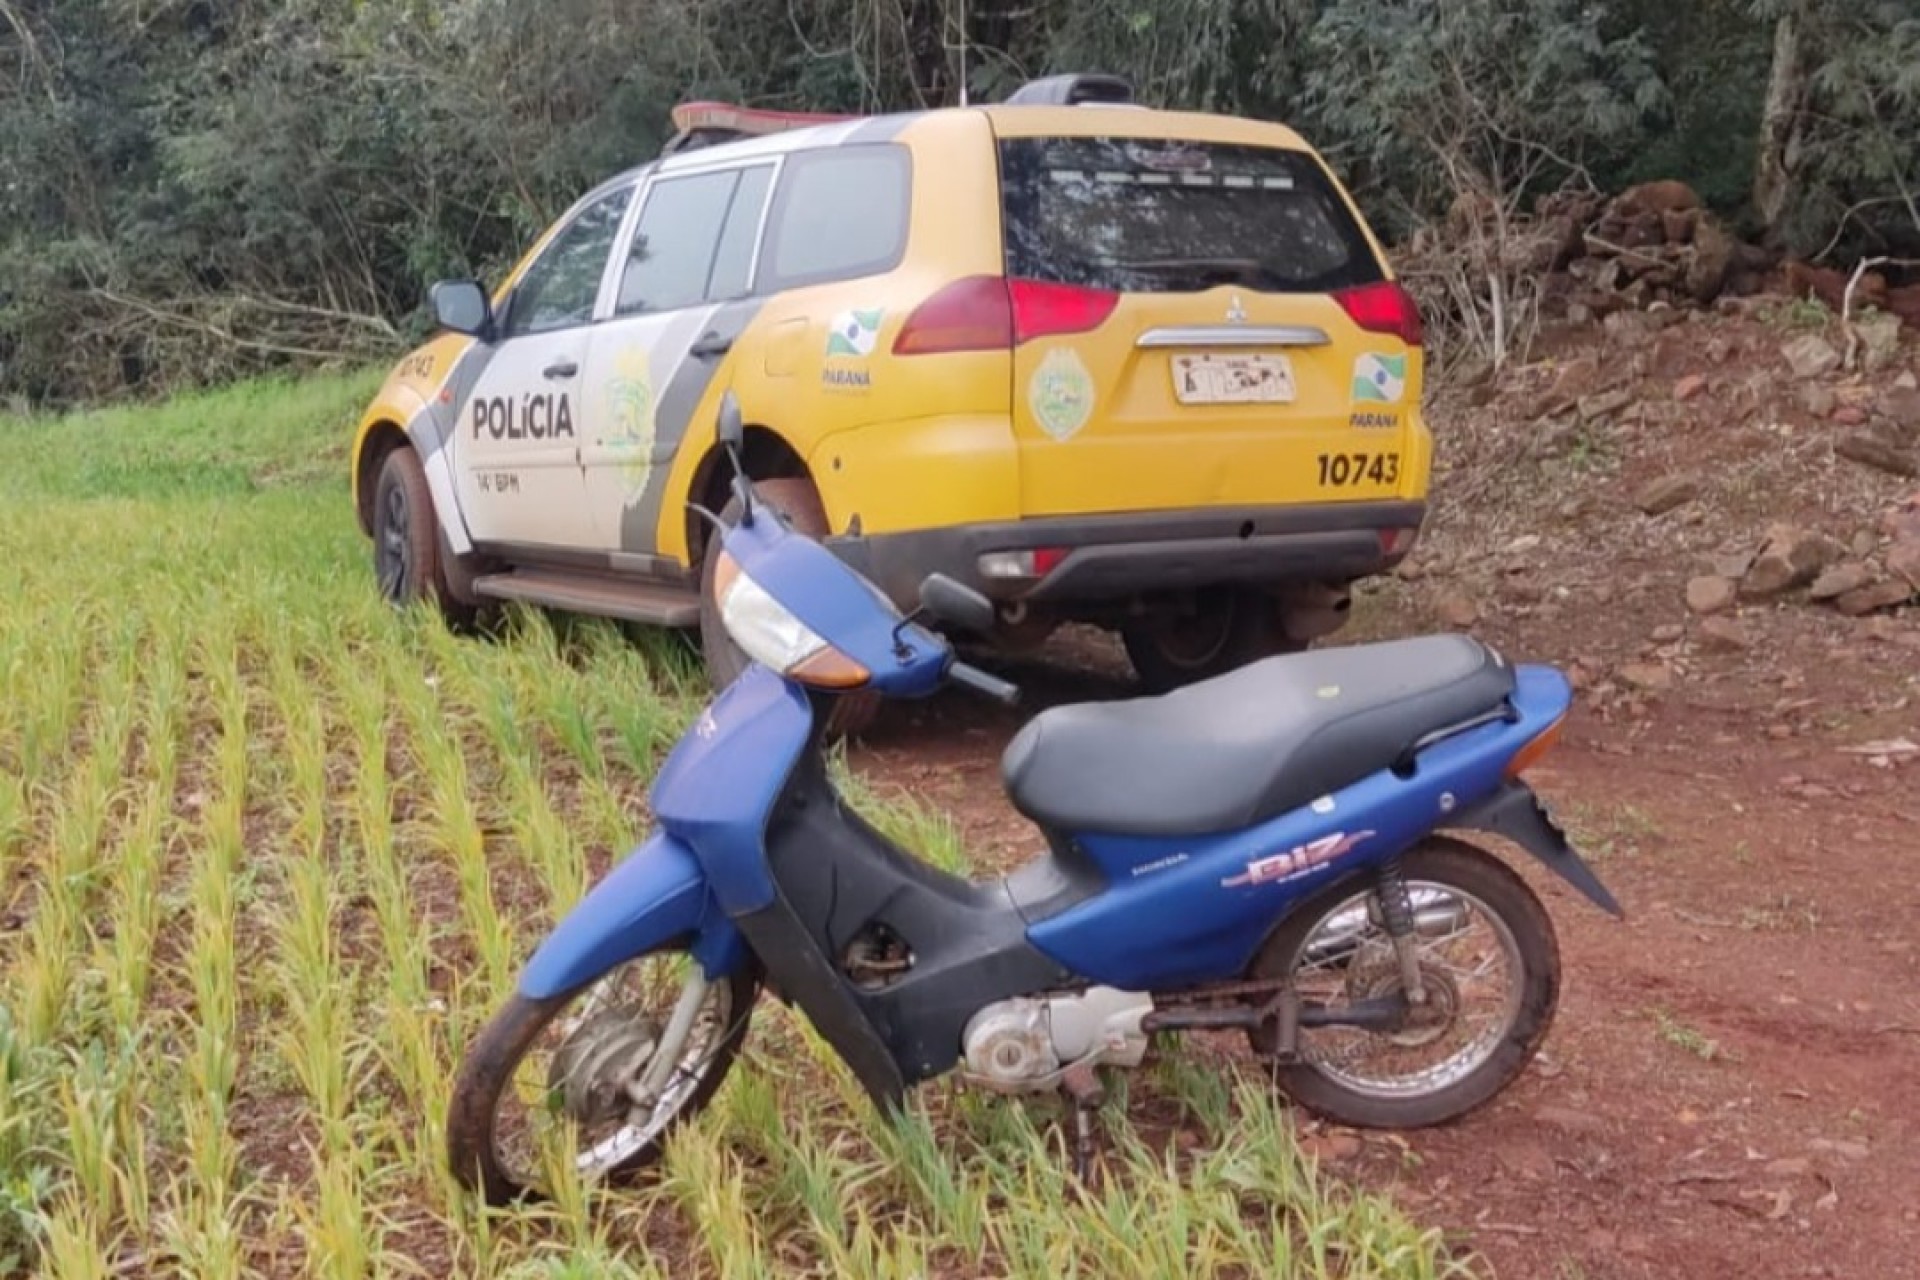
{"points": [[652, 603]]}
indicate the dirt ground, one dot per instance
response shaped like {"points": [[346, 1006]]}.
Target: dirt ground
{"points": [[1728, 1088]]}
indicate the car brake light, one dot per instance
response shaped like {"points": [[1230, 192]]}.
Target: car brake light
{"points": [[989, 313], [1383, 308], [1397, 542], [1047, 559], [1042, 310], [968, 315]]}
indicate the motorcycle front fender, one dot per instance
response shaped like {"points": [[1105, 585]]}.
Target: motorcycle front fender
{"points": [[656, 896]]}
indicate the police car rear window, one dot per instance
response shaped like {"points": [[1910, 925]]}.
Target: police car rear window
{"points": [[1157, 216], [839, 213]]}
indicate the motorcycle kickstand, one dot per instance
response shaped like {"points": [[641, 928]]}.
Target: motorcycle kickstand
{"points": [[1083, 1088]]}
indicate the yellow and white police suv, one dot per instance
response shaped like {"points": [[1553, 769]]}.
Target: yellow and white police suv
{"points": [[1139, 368]]}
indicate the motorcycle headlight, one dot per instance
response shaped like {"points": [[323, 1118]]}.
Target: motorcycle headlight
{"points": [[774, 637]]}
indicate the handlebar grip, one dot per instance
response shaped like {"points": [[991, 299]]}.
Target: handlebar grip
{"points": [[1001, 691]]}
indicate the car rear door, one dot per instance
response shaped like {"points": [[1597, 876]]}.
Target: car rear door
{"points": [[684, 294], [1213, 327]]}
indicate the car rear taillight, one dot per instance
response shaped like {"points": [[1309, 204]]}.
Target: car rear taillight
{"points": [[1042, 310], [989, 313], [1383, 308], [968, 315], [1397, 542]]}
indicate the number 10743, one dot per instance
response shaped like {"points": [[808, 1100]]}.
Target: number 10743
{"points": [[1359, 468]]}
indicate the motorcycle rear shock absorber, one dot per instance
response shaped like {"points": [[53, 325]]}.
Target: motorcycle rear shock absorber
{"points": [[1396, 913]]}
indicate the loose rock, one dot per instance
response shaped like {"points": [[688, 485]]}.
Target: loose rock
{"points": [[1575, 380], [1850, 415], [1881, 595], [1901, 406], [1689, 387], [1650, 676], [1879, 335], [1711, 594], [1456, 611], [1791, 557], [1667, 493], [1713, 252], [1604, 405], [1723, 635], [1903, 561], [1668, 632], [1819, 400], [1840, 579], [1873, 450], [1810, 356]]}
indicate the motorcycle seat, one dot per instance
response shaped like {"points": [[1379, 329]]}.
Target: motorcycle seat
{"points": [[1250, 745]]}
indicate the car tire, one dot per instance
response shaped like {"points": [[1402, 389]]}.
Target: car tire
{"points": [[795, 498], [1228, 628], [410, 555]]}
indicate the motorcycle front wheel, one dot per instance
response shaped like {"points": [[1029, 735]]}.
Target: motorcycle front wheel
{"points": [[1489, 963], [579, 1079]]}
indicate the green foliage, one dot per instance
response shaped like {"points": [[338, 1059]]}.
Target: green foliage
{"points": [[1476, 97], [27, 1076], [244, 437], [1857, 153], [1712, 56], [194, 192]]}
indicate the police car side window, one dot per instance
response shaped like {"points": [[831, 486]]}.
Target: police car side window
{"points": [[558, 290], [840, 213], [733, 259], [694, 241]]}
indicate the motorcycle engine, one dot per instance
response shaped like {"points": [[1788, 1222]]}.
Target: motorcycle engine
{"points": [[1022, 1045]]}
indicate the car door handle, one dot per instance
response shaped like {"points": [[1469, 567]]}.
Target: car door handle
{"points": [[709, 345], [561, 369]]}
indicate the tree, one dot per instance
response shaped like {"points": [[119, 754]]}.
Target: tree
{"points": [[1840, 147]]}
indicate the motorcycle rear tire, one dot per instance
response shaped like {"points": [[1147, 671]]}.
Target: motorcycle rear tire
{"points": [[1442, 861]]}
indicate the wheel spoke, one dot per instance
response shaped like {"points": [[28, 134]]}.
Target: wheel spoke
{"points": [[1473, 972], [578, 1085]]}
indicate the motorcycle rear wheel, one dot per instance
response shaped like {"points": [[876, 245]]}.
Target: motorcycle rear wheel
{"points": [[1481, 925], [549, 1076]]}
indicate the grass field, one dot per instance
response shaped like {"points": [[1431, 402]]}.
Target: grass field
{"points": [[270, 853]]}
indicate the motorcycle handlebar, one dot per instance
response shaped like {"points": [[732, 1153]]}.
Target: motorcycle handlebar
{"points": [[1001, 691]]}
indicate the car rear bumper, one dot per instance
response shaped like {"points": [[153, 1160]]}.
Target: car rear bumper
{"points": [[1113, 557]]}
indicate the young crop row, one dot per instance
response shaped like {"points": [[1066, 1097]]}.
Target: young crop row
{"points": [[270, 854]]}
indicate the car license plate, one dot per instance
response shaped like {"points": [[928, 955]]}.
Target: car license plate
{"points": [[1235, 379]]}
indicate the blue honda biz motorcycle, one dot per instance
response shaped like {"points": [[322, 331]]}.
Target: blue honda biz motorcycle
{"points": [[1257, 852]]}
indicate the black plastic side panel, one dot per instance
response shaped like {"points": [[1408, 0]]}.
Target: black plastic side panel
{"points": [[1066, 877], [837, 876], [1516, 813], [809, 979]]}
